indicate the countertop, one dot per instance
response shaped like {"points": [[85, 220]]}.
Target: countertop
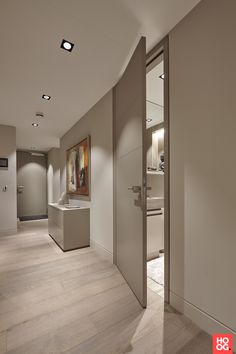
{"points": [[64, 208]]}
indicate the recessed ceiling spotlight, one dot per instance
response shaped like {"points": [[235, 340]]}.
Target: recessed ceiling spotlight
{"points": [[37, 154], [68, 46], [149, 120], [35, 125], [39, 115], [162, 76], [46, 97]]}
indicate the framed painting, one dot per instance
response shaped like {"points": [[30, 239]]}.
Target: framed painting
{"points": [[78, 168]]}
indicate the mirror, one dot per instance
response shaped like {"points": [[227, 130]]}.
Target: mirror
{"points": [[155, 149]]}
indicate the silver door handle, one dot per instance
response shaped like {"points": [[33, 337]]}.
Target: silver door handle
{"points": [[135, 189]]}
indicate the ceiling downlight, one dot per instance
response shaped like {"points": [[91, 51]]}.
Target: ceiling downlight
{"points": [[46, 97], [66, 45], [39, 115]]}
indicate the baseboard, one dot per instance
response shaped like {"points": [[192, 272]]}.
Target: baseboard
{"points": [[33, 217], [199, 317], [104, 253], [8, 232]]}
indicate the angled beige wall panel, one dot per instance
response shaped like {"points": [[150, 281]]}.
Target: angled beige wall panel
{"points": [[8, 178], [203, 162]]}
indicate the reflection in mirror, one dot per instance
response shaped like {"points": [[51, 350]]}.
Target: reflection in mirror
{"points": [[155, 148], [155, 93], [155, 114]]}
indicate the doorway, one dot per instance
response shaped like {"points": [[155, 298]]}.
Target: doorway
{"points": [[31, 185], [155, 176], [157, 172]]}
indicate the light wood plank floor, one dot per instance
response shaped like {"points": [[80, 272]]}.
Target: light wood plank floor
{"points": [[53, 302]]}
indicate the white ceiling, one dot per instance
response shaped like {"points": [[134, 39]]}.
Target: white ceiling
{"points": [[105, 33], [155, 85], [155, 95]]}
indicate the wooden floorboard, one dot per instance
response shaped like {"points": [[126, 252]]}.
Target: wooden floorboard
{"points": [[75, 302]]}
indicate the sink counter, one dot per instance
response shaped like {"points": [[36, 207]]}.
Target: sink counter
{"points": [[69, 227], [155, 203], [65, 207]]}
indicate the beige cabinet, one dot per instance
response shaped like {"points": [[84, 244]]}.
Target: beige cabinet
{"points": [[69, 227], [155, 233]]}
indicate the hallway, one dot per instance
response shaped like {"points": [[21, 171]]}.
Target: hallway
{"points": [[75, 302]]}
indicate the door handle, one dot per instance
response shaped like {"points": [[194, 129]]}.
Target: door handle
{"points": [[20, 189], [135, 189]]}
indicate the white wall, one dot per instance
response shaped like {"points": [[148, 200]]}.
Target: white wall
{"points": [[8, 222], [98, 124], [203, 165], [53, 175]]}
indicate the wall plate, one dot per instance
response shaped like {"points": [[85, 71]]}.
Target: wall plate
{"points": [[3, 162]]}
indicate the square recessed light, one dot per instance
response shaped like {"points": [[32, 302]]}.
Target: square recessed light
{"points": [[162, 76], [35, 125], [68, 46], [46, 97]]}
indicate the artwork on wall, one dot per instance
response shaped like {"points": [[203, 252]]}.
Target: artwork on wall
{"points": [[78, 168]]}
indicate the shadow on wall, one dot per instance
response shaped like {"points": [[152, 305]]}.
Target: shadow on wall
{"points": [[97, 123], [53, 175]]}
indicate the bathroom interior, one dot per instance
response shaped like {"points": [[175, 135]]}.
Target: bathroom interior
{"points": [[155, 176]]}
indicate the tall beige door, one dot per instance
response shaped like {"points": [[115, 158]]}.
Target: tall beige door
{"points": [[130, 165]]}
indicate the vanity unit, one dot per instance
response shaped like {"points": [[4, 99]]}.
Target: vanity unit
{"points": [[69, 226], [155, 233], [155, 214]]}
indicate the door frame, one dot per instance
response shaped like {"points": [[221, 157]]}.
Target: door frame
{"points": [[163, 48]]}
